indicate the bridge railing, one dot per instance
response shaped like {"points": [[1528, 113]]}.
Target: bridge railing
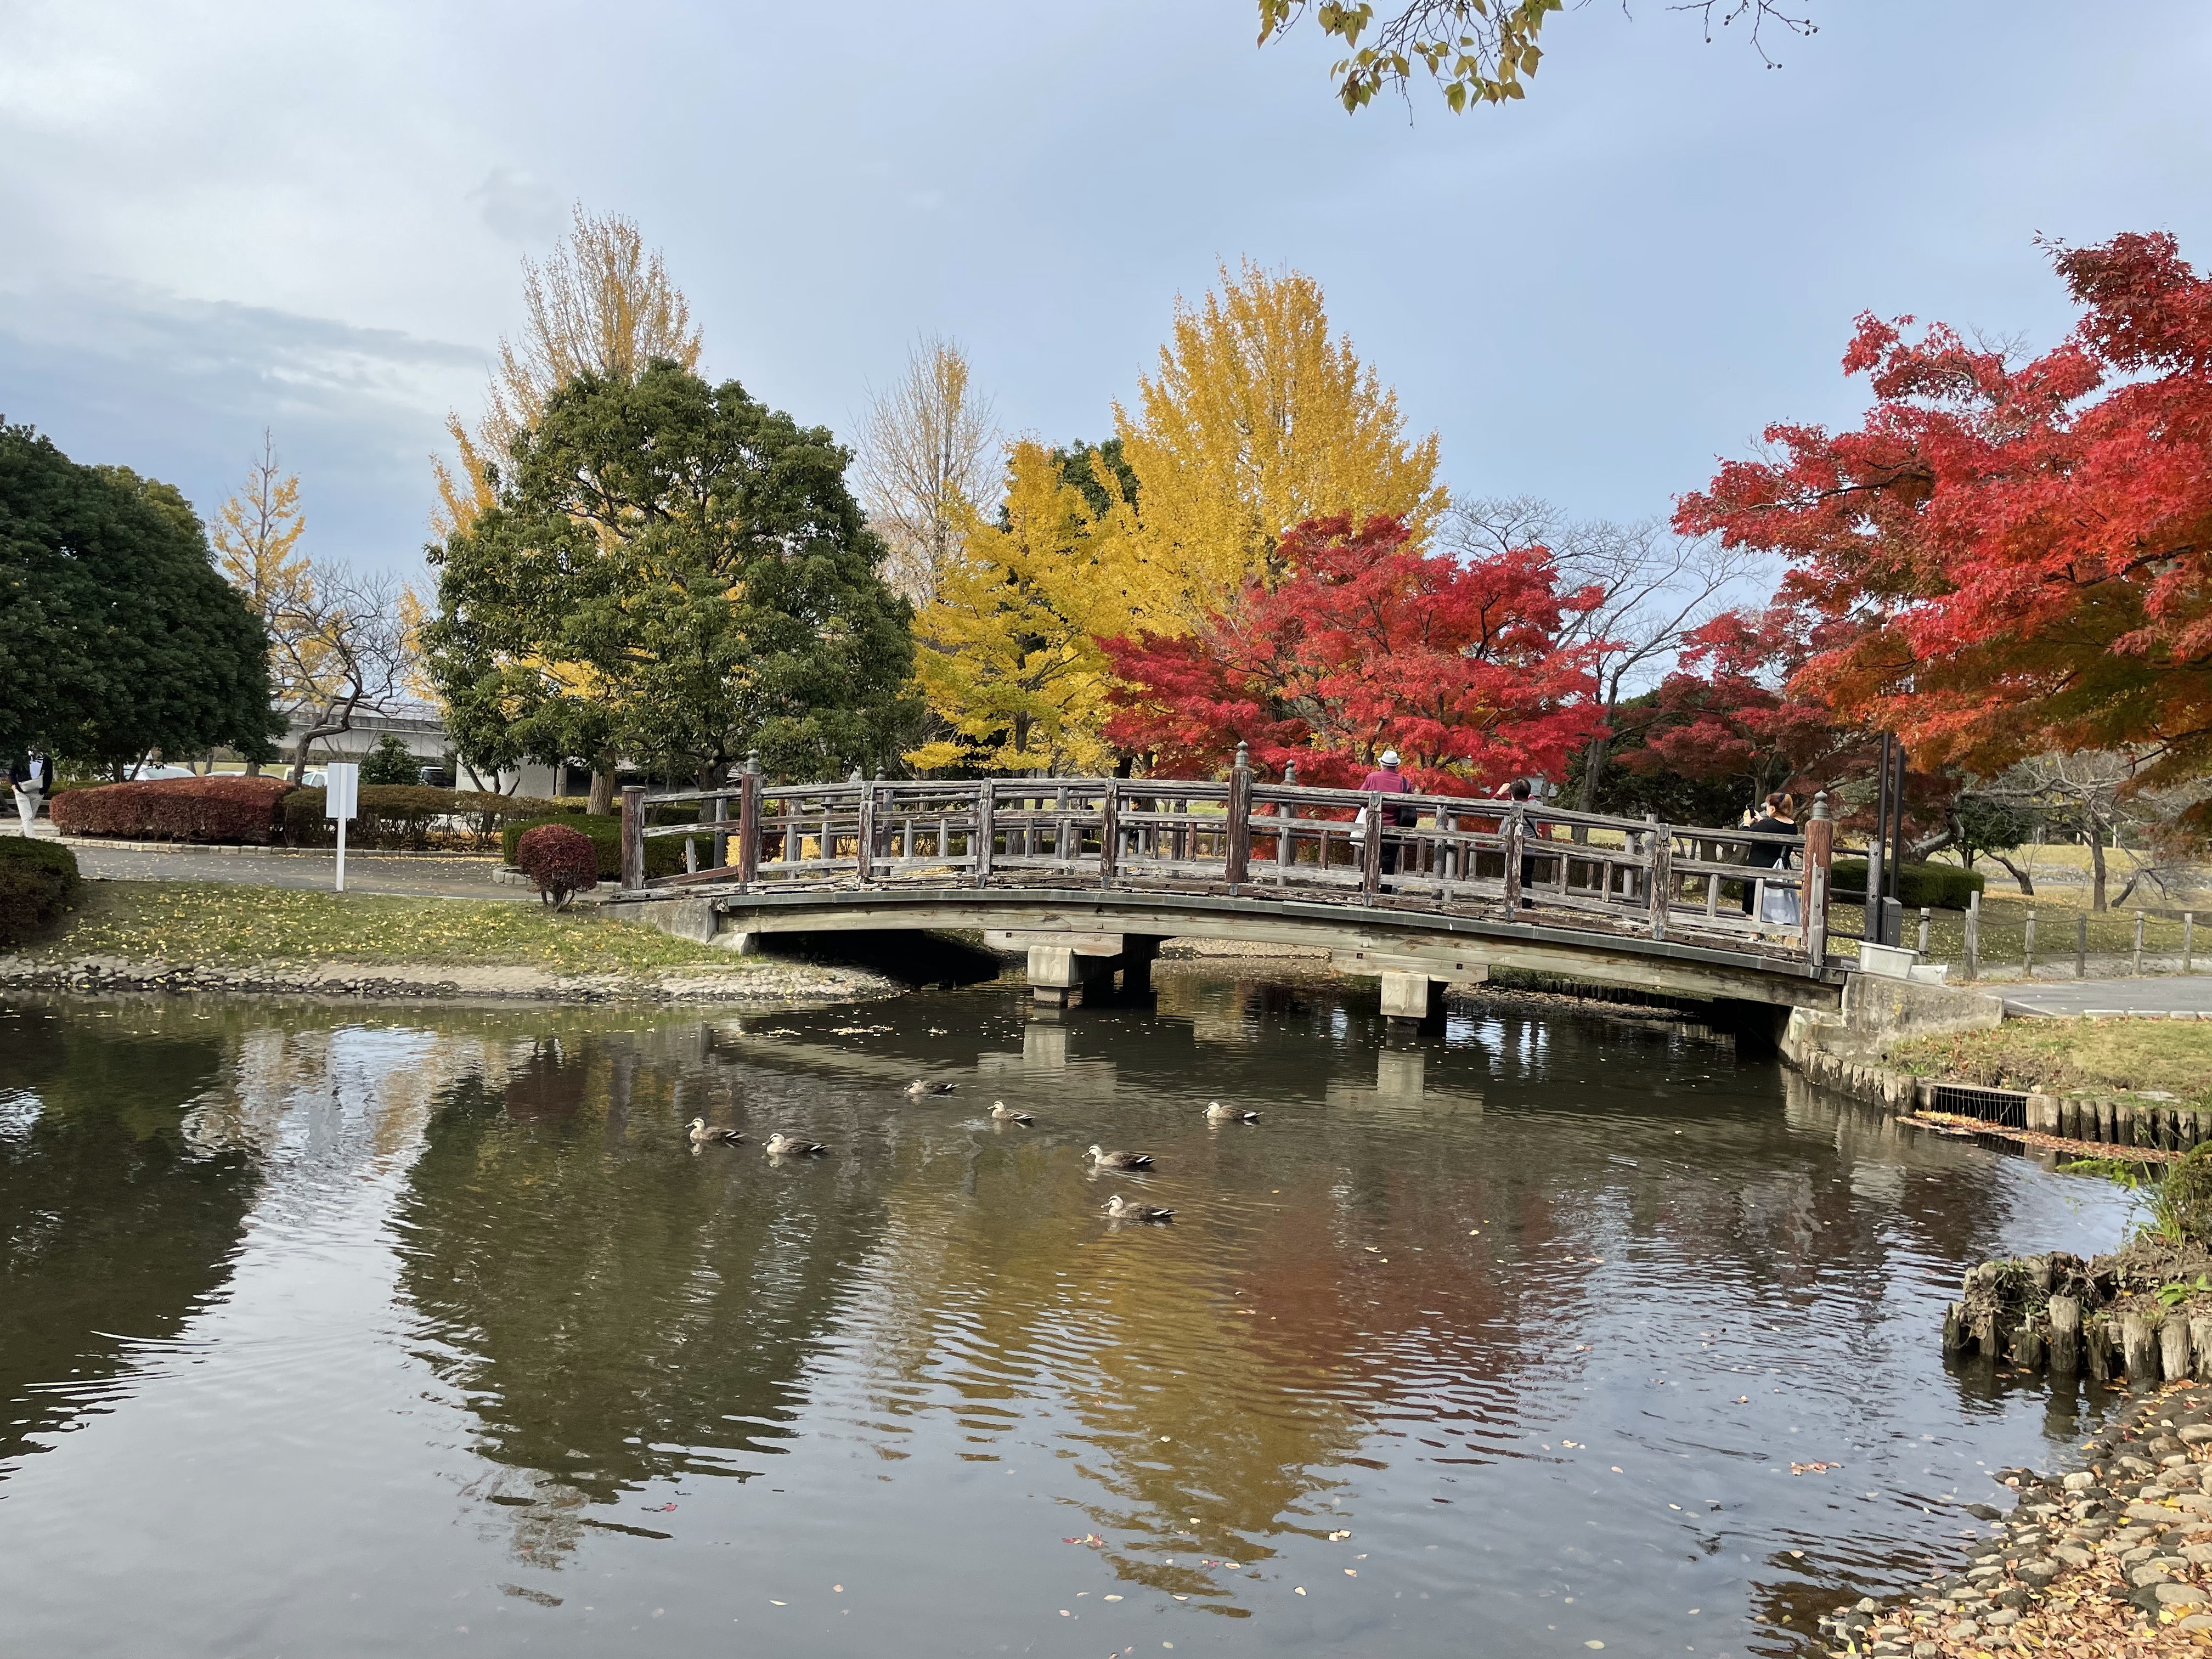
{"points": [[1242, 836]]}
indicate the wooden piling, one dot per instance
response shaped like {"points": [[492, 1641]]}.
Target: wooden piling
{"points": [[2173, 1347], [2200, 1343], [2097, 1347], [1954, 1327], [2066, 1335], [2138, 1348], [2027, 1346]]}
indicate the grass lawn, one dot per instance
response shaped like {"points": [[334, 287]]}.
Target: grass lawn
{"points": [[222, 924], [2074, 1056], [2004, 931]]}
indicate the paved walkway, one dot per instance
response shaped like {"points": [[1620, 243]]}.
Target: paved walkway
{"points": [[2166, 994], [422, 876]]}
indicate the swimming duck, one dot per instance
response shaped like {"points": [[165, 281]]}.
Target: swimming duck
{"points": [[1002, 1113], [702, 1136], [1216, 1113], [918, 1087], [1121, 1210], [1105, 1160], [781, 1144]]}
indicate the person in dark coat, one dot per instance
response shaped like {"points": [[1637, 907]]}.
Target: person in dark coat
{"points": [[1780, 818]]}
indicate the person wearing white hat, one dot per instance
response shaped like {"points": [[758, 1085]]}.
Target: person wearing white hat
{"points": [[1387, 780]]}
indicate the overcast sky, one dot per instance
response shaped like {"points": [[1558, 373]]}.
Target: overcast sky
{"points": [[218, 218]]}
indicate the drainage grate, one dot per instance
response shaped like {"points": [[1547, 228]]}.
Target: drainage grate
{"points": [[1999, 1106]]}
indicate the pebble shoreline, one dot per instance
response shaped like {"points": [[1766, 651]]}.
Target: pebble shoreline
{"points": [[2113, 1559]]}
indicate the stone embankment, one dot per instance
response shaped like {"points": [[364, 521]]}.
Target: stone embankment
{"points": [[779, 984], [2111, 1559]]}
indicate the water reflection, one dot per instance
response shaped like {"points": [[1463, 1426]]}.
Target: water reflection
{"points": [[1528, 1318]]}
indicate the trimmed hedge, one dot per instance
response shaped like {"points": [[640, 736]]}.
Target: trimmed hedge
{"points": [[399, 814], [561, 860], [663, 855], [226, 809], [1919, 886], [38, 882]]}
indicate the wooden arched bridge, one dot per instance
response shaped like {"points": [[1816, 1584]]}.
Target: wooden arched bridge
{"points": [[1092, 874]]}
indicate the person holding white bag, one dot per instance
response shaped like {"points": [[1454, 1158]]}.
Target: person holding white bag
{"points": [[1386, 779], [1780, 907]]}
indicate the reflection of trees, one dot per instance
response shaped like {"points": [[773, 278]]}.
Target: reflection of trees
{"points": [[615, 1308], [113, 1228]]}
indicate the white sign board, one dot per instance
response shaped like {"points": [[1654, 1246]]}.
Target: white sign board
{"points": [[342, 801], [342, 790]]}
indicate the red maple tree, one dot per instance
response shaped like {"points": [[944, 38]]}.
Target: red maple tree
{"points": [[1369, 644], [2009, 559]]}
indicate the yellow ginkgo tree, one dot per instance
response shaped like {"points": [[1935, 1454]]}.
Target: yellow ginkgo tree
{"points": [[1257, 419], [1008, 658]]}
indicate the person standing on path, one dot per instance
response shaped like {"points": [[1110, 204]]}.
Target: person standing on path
{"points": [[1388, 781], [31, 776]]}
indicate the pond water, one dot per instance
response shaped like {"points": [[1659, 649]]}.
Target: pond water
{"points": [[398, 1331]]}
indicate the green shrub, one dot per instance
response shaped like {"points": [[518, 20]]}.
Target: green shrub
{"points": [[663, 855], [391, 762], [38, 882], [1919, 886], [399, 814]]}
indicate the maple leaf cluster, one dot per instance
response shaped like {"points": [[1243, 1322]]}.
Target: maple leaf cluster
{"points": [[2009, 559], [1368, 644]]}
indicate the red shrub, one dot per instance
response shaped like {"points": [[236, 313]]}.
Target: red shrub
{"points": [[227, 809], [561, 860]]}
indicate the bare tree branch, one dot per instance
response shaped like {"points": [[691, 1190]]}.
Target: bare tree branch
{"points": [[928, 451]]}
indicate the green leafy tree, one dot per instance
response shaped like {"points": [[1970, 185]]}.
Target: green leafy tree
{"points": [[671, 573], [118, 636], [390, 762]]}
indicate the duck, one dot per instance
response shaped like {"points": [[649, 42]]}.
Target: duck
{"points": [[1002, 1113], [702, 1136], [918, 1087], [1121, 1210], [781, 1144], [1106, 1160], [1216, 1113]]}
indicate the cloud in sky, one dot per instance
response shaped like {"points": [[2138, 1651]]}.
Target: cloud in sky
{"points": [[227, 217]]}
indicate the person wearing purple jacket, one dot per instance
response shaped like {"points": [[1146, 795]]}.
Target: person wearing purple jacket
{"points": [[1386, 779]]}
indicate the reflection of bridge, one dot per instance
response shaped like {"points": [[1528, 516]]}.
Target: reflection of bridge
{"points": [[1090, 873]]}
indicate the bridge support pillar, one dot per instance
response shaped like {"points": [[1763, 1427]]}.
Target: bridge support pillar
{"points": [[1139, 951], [1412, 999], [1058, 975]]}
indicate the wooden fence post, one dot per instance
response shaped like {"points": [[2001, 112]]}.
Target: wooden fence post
{"points": [[1370, 874], [1240, 817], [2189, 941], [985, 831], [1110, 831], [633, 836], [2082, 945], [1516, 833], [1973, 967], [2028, 951], [2135, 965], [749, 820], [1820, 857]]}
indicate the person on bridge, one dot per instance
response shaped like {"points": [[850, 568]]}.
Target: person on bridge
{"points": [[1520, 790], [1387, 780], [1779, 819]]}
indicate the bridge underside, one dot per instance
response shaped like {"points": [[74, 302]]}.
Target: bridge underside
{"points": [[1074, 937]]}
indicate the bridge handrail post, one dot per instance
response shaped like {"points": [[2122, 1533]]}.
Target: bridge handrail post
{"points": [[1110, 831], [1370, 872], [1516, 833], [1239, 850], [984, 832], [721, 844], [1661, 876], [1819, 866], [749, 820], [633, 838], [864, 835]]}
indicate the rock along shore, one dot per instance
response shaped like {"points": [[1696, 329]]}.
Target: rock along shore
{"points": [[2113, 1559], [777, 984]]}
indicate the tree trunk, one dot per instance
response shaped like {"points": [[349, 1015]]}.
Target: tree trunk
{"points": [[1594, 760], [253, 768], [602, 801], [2026, 882], [2097, 868]]}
